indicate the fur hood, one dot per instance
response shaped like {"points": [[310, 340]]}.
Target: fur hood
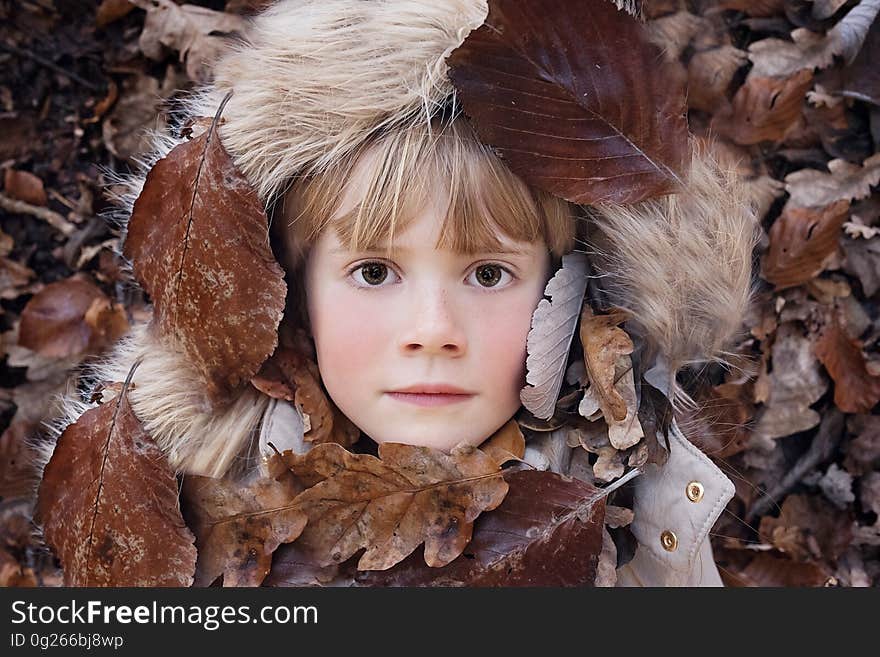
{"points": [[312, 79]]}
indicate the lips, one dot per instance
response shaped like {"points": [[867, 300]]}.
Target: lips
{"points": [[433, 394]]}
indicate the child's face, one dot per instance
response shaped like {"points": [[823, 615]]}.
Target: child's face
{"points": [[423, 316]]}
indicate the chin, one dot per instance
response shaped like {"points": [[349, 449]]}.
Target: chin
{"points": [[443, 443]]}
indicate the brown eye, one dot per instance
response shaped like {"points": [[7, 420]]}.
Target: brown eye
{"points": [[374, 273], [488, 275]]}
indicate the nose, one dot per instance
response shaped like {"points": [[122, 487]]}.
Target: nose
{"points": [[432, 327]]}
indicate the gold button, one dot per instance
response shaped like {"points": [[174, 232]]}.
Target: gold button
{"points": [[694, 491], [668, 540]]}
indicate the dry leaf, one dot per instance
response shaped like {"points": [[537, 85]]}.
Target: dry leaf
{"points": [[710, 73], [808, 528], [24, 186], [108, 505], [290, 375], [238, 525], [769, 570], [70, 317], [552, 330], [392, 504], [506, 444], [764, 108], [195, 32], [855, 390], [565, 123], [199, 243], [846, 181], [796, 382], [604, 342], [546, 532], [801, 242]]}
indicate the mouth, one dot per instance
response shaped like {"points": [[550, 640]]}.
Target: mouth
{"points": [[429, 398]]}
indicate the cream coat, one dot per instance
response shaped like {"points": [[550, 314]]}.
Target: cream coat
{"points": [[312, 79]]}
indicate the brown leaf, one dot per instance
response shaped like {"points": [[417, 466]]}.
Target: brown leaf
{"points": [[801, 241], [757, 8], [111, 10], [199, 243], [291, 376], [764, 109], [546, 532], [604, 342], [710, 73], [855, 390], [70, 317], [195, 32], [808, 528], [846, 181], [583, 123], [392, 504], [769, 570], [239, 525], [109, 507], [24, 186], [506, 444]]}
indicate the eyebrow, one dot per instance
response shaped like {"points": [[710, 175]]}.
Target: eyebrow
{"points": [[381, 249]]}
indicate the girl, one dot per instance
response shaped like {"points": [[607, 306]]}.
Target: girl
{"points": [[416, 258]]}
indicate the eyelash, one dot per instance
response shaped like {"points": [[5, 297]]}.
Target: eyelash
{"points": [[490, 290]]}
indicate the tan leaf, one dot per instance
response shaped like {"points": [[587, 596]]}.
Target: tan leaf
{"points": [[846, 181], [108, 504], [290, 375], [626, 432], [195, 32], [199, 243], [549, 340], [764, 108], [390, 505], [801, 241], [239, 525], [604, 342], [70, 317], [505, 444], [855, 390]]}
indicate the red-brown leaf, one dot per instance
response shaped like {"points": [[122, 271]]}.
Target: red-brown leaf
{"points": [[70, 317], [199, 242], [586, 110], [109, 507], [546, 532], [801, 240], [855, 389]]}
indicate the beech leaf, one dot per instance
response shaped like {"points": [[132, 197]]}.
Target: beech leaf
{"points": [[546, 85], [548, 342], [199, 242], [855, 390], [239, 525], [392, 504], [546, 532], [845, 181], [109, 507]]}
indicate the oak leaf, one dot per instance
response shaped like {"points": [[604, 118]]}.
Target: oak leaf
{"points": [[565, 110], [604, 342], [801, 241], [845, 181], [546, 532], [238, 525], [108, 504], [199, 244], [506, 444], [549, 339], [392, 504]]}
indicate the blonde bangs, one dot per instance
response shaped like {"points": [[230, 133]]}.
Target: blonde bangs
{"points": [[482, 197]]}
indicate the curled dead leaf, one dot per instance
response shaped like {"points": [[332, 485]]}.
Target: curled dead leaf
{"points": [[390, 505]]}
